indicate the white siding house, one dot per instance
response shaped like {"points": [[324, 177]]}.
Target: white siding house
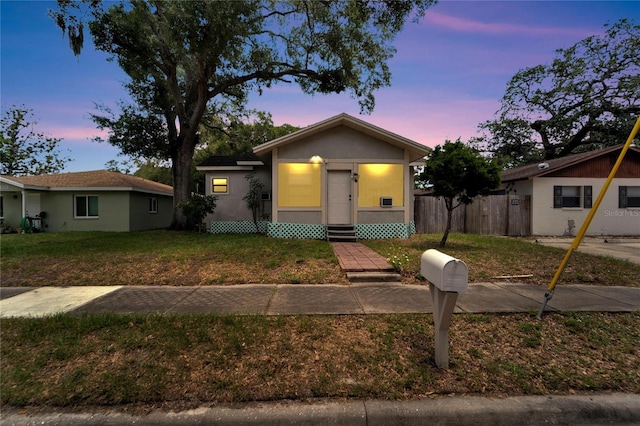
{"points": [[563, 191]]}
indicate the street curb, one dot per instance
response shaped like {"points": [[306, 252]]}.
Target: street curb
{"points": [[618, 409]]}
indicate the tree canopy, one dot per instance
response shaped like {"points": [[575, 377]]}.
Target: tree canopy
{"points": [[459, 173], [587, 97], [23, 150], [185, 58]]}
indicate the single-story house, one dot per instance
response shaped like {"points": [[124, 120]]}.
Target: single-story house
{"points": [[563, 191], [85, 201], [341, 174]]}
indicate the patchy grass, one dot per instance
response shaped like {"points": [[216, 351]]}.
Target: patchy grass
{"points": [[179, 362], [179, 258], [163, 258], [488, 257], [141, 362]]}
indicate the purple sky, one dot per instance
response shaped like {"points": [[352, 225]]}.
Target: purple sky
{"points": [[448, 75]]}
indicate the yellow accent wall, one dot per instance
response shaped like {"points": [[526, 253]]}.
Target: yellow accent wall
{"points": [[299, 184], [380, 180]]}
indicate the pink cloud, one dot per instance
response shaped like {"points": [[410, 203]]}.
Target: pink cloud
{"points": [[77, 133], [499, 28]]}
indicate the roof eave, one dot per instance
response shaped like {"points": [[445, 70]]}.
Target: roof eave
{"points": [[223, 168]]}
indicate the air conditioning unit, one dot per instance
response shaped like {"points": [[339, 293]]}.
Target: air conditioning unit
{"points": [[265, 196], [386, 201]]}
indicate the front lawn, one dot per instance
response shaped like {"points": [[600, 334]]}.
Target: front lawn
{"points": [[488, 257], [184, 361], [163, 258], [183, 259]]}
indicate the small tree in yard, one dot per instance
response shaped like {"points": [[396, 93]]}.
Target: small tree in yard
{"points": [[197, 208], [459, 173], [254, 196]]}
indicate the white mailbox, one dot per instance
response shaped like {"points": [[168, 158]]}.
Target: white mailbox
{"points": [[445, 272]]}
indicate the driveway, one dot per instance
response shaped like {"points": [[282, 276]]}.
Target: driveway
{"points": [[620, 248]]}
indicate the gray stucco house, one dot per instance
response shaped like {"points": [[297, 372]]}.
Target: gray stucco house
{"points": [[86, 201], [341, 174]]}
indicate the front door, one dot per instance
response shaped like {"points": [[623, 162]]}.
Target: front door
{"points": [[339, 197]]}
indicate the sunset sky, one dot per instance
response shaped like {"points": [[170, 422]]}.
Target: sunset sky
{"points": [[448, 74]]}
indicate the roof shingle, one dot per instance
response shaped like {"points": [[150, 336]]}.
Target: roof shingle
{"points": [[98, 179], [532, 170]]}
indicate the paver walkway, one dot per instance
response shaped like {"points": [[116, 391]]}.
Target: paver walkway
{"points": [[356, 257]]}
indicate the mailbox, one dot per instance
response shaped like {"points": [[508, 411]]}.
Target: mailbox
{"points": [[445, 272], [447, 277]]}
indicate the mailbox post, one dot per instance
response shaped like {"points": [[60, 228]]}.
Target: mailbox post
{"points": [[447, 277]]}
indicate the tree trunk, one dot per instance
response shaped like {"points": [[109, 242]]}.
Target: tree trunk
{"points": [[182, 162], [449, 204]]}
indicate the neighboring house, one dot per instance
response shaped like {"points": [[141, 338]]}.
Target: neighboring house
{"points": [[86, 201], [563, 191], [341, 171]]}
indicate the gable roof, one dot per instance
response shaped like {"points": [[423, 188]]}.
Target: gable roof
{"points": [[530, 171], [354, 123], [99, 180]]}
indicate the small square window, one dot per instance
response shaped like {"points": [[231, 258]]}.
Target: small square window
{"points": [[220, 185], [86, 206]]}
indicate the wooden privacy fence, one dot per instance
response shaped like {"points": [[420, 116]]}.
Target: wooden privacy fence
{"points": [[492, 215]]}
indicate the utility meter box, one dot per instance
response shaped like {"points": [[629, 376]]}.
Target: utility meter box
{"points": [[445, 272]]}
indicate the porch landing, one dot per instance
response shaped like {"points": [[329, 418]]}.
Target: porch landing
{"points": [[356, 257]]}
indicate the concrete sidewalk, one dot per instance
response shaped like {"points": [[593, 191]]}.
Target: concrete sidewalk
{"points": [[292, 299], [610, 409]]}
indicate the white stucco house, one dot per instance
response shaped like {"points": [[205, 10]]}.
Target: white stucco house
{"points": [[563, 191], [341, 174]]}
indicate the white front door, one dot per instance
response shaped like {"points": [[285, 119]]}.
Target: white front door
{"points": [[339, 197]]}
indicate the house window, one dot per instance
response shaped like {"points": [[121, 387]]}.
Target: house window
{"points": [[153, 205], [566, 196], [299, 184], [1, 207], [380, 180], [220, 185], [628, 196], [86, 206]]}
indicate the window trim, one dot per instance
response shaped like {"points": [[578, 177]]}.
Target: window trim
{"points": [[86, 197], [623, 197], [213, 186], [558, 197], [153, 205]]}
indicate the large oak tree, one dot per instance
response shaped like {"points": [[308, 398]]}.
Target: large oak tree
{"points": [[185, 57], [587, 97]]}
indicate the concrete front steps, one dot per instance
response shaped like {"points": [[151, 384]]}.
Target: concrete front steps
{"points": [[341, 234], [373, 277]]}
